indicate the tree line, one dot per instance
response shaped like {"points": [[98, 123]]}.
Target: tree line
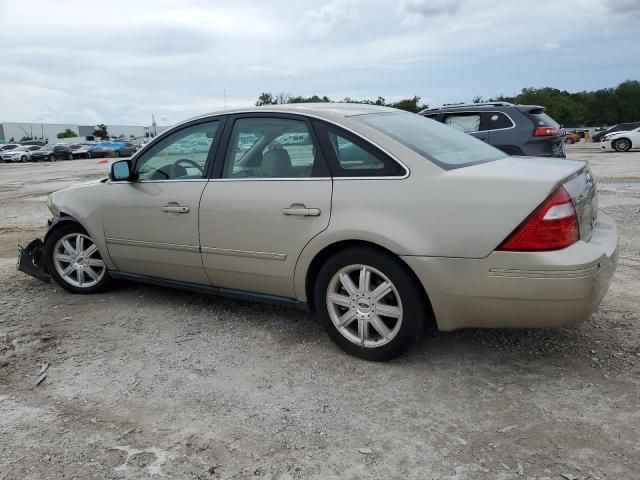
{"points": [[607, 106]]}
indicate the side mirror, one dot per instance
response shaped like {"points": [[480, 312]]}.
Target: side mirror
{"points": [[120, 171]]}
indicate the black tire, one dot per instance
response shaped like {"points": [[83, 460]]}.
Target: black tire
{"points": [[621, 145], [23, 159], [52, 158], [415, 309], [88, 154], [71, 228], [70, 157]]}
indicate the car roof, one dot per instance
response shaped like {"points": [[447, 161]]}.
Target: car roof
{"points": [[321, 109], [490, 106]]}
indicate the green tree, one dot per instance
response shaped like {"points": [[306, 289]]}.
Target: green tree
{"points": [[26, 138], [265, 99], [101, 131], [68, 133]]}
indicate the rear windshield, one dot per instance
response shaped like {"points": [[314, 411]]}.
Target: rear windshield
{"points": [[443, 145], [543, 120]]}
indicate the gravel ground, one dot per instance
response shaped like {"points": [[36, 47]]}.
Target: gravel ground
{"points": [[146, 382]]}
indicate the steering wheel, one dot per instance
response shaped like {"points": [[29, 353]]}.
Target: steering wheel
{"points": [[191, 163]]}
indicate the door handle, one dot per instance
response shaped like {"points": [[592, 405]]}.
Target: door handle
{"points": [[175, 209], [302, 211]]}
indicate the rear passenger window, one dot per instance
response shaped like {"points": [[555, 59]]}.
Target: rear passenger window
{"points": [[498, 120], [465, 122], [354, 157]]}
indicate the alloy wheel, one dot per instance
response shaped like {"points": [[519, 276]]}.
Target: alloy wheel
{"points": [[622, 145], [364, 306], [77, 260]]}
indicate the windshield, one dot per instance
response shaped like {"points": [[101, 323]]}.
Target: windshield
{"points": [[443, 145]]}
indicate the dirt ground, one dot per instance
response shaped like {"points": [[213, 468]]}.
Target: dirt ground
{"points": [[147, 382]]}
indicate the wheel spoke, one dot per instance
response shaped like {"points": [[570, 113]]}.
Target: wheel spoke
{"points": [[80, 278], [365, 279], [62, 257], [381, 290], [362, 331], [347, 283], [380, 327], [346, 318], [388, 310], [95, 262], [91, 272], [91, 250], [79, 243], [341, 300], [67, 271], [67, 246]]}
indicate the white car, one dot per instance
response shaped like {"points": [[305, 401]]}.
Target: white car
{"points": [[621, 141], [19, 154]]}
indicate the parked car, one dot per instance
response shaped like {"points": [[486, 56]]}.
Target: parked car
{"points": [[621, 141], [515, 129], [51, 153], [19, 154], [8, 146], [102, 149], [80, 151], [620, 127], [384, 222], [40, 143], [571, 137], [122, 149]]}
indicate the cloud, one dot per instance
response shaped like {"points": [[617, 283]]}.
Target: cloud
{"points": [[324, 20], [176, 58], [414, 10]]}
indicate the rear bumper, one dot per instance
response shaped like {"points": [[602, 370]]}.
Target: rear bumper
{"points": [[521, 289]]}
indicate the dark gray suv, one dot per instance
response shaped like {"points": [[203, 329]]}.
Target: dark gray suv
{"points": [[514, 129]]}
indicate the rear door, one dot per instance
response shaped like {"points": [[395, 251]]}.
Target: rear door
{"points": [[270, 197]]}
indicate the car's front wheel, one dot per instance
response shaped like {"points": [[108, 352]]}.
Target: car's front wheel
{"points": [[23, 159], [370, 303], [622, 145], [74, 262]]}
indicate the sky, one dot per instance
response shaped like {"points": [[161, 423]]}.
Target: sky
{"points": [[69, 61]]}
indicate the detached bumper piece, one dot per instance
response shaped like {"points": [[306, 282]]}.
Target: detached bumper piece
{"points": [[31, 260]]}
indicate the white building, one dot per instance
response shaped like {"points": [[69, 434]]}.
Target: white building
{"points": [[14, 131]]}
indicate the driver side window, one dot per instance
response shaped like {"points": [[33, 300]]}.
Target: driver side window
{"points": [[180, 156]]}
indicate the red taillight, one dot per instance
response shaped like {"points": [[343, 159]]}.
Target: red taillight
{"points": [[546, 132], [552, 226]]}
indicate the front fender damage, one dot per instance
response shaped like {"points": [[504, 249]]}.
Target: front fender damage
{"points": [[31, 260]]}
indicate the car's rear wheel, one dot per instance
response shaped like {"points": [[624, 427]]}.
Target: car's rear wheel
{"points": [[370, 303], [52, 158], [88, 154], [70, 156], [74, 262], [23, 159], [622, 145]]}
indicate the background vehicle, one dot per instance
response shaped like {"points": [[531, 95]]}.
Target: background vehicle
{"points": [[98, 150], [51, 153], [571, 137], [19, 154], [40, 143], [620, 127], [80, 151], [8, 146], [515, 129], [338, 224], [122, 149], [621, 141]]}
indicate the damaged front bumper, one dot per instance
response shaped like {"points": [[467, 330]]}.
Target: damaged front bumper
{"points": [[31, 260]]}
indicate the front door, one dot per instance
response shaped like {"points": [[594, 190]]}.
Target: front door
{"points": [[151, 224], [271, 197]]}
